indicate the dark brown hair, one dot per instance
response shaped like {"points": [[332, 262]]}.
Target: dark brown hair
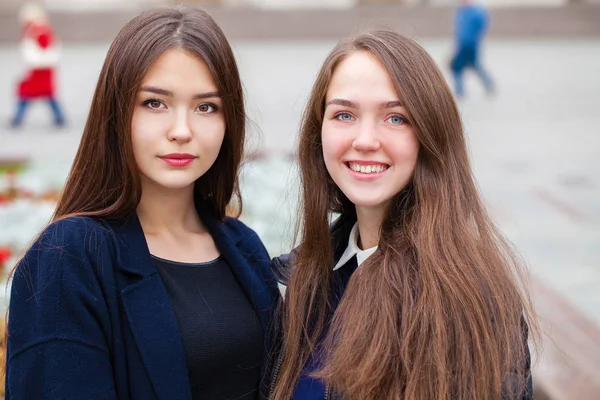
{"points": [[437, 311], [104, 180]]}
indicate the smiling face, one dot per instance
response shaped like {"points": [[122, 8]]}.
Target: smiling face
{"points": [[177, 127], [369, 146]]}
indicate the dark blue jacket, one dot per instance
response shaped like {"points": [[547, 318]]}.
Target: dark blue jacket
{"points": [[90, 317]]}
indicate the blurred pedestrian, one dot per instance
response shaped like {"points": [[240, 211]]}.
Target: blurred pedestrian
{"points": [[471, 23], [41, 52]]}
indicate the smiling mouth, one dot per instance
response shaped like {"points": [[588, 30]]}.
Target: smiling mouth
{"points": [[367, 168]]}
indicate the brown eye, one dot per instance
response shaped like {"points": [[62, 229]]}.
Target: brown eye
{"points": [[206, 108], [153, 104]]}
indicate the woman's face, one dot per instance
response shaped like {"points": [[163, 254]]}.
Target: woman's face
{"points": [[178, 124], [369, 146]]}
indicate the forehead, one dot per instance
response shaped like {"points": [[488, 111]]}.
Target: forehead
{"points": [[177, 67], [361, 76]]}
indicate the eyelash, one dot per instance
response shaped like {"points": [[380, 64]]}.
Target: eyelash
{"points": [[338, 115], [215, 108], [402, 117], [146, 103]]}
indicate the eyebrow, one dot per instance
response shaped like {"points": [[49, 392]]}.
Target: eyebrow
{"points": [[163, 92], [351, 104], [342, 102]]}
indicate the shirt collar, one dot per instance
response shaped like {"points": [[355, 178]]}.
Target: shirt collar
{"points": [[353, 250]]}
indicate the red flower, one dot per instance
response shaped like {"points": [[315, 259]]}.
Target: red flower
{"points": [[5, 254]]}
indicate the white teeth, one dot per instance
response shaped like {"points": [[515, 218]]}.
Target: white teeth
{"points": [[367, 169]]}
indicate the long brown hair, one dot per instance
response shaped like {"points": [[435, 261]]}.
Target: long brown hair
{"points": [[437, 312], [104, 180]]}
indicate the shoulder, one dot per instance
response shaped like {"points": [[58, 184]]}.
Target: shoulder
{"points": [[340, 228], [63, 246], [281, 267], [75, 234], [251, 248], [241, 234], [61, 283], [248, 244], [76, 224]]}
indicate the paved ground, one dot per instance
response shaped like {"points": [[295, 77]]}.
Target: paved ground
{"points": [[535, 148]]}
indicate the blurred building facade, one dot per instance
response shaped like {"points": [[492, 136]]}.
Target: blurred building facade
{"points": [[80, 5]]}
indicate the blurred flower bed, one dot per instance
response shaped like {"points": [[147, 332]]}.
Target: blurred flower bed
{"points": [[28, 194], [29, 191]]}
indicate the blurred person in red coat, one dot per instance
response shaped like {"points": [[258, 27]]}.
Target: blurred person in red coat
{"points": [[40, 50]]}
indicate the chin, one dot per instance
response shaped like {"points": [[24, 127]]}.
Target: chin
{"points": [[174, 184], [361, 201]]}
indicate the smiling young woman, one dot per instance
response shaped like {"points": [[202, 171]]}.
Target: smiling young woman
{"points": [[142, 287], [412, 293]]}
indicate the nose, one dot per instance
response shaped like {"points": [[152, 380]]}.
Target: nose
{"points": [[180, 131], [367, 138]]}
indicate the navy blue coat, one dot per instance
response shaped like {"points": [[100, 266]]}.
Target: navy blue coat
{"points": [[91, 319]]}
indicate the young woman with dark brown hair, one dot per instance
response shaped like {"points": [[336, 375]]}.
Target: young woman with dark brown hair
{"points": [[142, 287], [412, 293]]}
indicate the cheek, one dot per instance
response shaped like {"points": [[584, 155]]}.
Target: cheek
{"points": [[334, 144], [405, 152], [209, 133], [146, 128], [329, 153]]}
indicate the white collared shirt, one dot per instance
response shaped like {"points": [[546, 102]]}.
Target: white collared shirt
{"points": [[353, 249]]}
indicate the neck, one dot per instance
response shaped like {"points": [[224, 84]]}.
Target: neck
{"points": [[164, 210], [369, 226]]}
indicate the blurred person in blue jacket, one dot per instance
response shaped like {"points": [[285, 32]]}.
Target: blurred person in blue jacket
{"points": [[471, 22]]}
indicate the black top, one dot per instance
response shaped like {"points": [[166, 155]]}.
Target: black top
{"points": [[221, 333]]}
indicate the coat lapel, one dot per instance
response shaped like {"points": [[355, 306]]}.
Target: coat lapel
{"points": [[255, 288], [150, 315]]}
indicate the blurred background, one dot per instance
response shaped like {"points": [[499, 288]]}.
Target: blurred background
{"points": [[534, 144]]}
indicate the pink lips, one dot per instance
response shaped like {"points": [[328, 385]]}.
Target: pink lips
{"points": [[178, 159]]}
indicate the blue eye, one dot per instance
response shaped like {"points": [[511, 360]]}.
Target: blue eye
{"points": [[396, 119], [344, 116]]}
